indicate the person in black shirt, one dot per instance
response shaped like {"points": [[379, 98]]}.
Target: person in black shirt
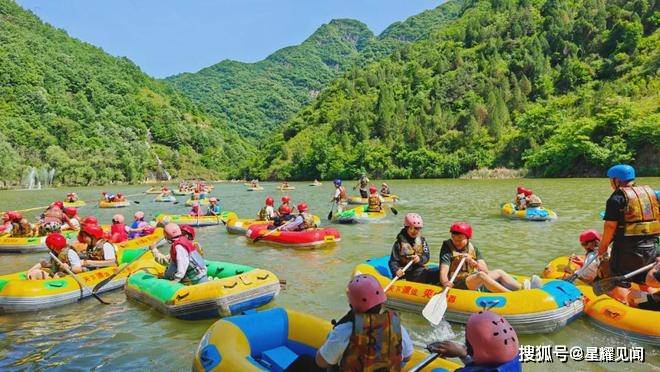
{"points": [[411, 245], [632, 224]]}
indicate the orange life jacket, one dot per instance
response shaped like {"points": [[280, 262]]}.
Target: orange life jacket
{"points": [[466, 270], [642, 213], [374, 203], [375, 343]]}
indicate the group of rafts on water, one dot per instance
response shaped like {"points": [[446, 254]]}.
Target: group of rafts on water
{"points": [[234, 288]]}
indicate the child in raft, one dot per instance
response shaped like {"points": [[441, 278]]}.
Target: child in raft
{"points": [[380, 342], [195, 211], [491, 344], [68, 256], [474, 273], [590, 240], [411, 245]]}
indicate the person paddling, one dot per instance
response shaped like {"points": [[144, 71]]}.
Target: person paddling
{"points": [[99, 252], [375, 201], [267, 213], [589, 239], [410, 245], [302, 221], [50, 268], [339, 196], [214, 208], [118, 229]]}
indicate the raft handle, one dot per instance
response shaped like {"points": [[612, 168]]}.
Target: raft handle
{"points": [[181, 297], [263, 277], [231, 286]]}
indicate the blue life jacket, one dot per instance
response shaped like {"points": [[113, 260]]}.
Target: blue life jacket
{"points": [[135, 234], [511, 366]]}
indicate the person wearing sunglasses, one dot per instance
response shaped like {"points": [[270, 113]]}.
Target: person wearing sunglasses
{"points": [[410, 245], [474, 272]]}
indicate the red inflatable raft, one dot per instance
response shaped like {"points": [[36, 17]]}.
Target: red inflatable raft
{"points": [[306, 238]]}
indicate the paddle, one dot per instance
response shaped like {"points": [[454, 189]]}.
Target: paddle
{"points": [[394, 210], [108, 279], [75, 277], [396, 277], [258, 238], [437, 305], [608, 284], [424, 362], [332, 208], [136, 202], [591, 257]]}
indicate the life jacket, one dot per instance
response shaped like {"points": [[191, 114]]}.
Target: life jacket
{"points": [[96, 251], [308, 221], [456, 259], [135, 234], [407, 249], [263, 215], [374, 203], [342, 193], [511, 366], [214, 209], [118, 233], [19, 230], [642, 213], [534, 201], [63, 256], [53, 214], [375, 343], [197, 267]]}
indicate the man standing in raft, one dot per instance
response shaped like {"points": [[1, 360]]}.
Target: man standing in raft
{"points": [[339, 196], [363, 183], [632, 224]]}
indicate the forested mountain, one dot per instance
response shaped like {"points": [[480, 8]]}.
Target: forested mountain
{"points": [[561, 87], [93, 117], [256, 97]]}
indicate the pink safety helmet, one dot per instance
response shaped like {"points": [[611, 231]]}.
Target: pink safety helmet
{"points": [[172, 230], [491, 337], [139, 215], [118, 218], [413, 220], [365, 292]]}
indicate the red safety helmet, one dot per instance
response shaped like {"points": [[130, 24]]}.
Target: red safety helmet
{"points": [[269, 201], [589, 235], [70, 211], [461, 228], [373, 189], [188, 230], [94, 231], [120, 194], [56, 242], [520, 190], [59, 204], [284, 209], [528, 192], [285, 199], [90, 220], [302, 207], [12, 216]]}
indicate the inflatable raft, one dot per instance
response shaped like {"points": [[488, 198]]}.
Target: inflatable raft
{"points": [[165, 199], [240, 225], [204, 201], [153, 190], [315, 184], [295, 239], [543, 310], [10, 244], [77, 204], [233, 289], [201, 221], [18, 294], [609, 314], [288, 188], [358, 215], [258, 188], [182, 193], [364, 201], [529, 214], [271, 340], [107, 204]]}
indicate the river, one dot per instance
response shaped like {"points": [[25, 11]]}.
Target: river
{"points": [[127, 335]]}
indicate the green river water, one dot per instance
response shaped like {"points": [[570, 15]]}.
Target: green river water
{"points": [[127, 335]]}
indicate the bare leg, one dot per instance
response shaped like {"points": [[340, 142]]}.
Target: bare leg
{"points": [[475, 280], [505, 279]]}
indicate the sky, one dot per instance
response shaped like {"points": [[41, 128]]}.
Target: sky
{"points": [[167, 37]]}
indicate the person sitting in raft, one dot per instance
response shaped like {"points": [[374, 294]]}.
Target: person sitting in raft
{"points": [[195, 211], [20, 227], [589, 239], [285, 184], [74, 222], [50, 268], [53, 218], [340, 196], [7, 219], [184, 263], [474, 273], [384, 189], [108, 197], [286, 200], [302, 221], [164, 191], [214, 208], [491, 344], [533, 200], [254, 183], [362, 184], [98, 251], [632, 224], [368, 338], [189, 232], [267, 213], [411, 245], [520, 200], [71, 197], [89, 220], [284, 216], [375, 201], [120, 197], [118, 229], [139, 227]]}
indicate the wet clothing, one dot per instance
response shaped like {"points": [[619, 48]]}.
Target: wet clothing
{"points": [[449, 255], [338, 340], [629, 252], [405, 247]]}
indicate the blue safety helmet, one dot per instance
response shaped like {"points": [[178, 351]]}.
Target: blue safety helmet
{"points": [[623, 172], [337, 182]]}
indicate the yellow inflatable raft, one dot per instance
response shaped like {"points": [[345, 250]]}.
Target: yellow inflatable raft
{"points": [[258, 188], [232, 288], [272, 340], [364, 201], [18, 294], [184, 219], [107, 204], [240, 225], [153, 190], [10, 244], [529, 214], [204, 201], [543, 310], [609, 314], [77, 204]]}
